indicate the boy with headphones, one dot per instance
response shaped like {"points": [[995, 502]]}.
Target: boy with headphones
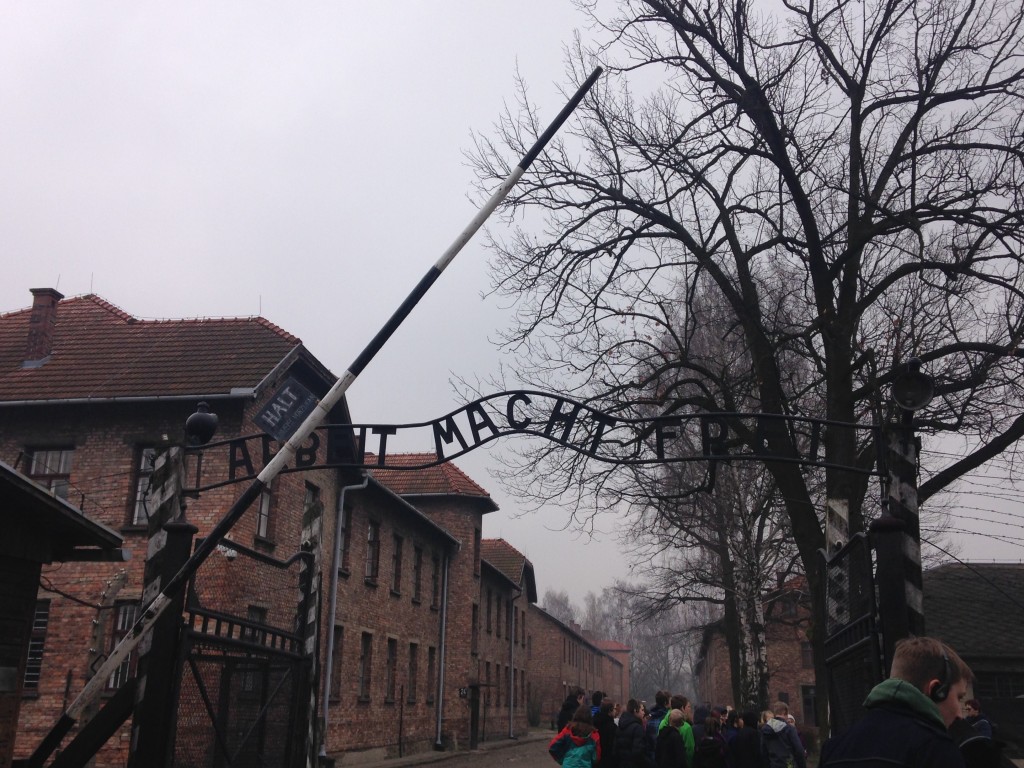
{"points": [[908, 714]]}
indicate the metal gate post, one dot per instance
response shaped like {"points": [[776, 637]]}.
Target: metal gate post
{"points": [[170, 544], [152, 740], [896, 534]]}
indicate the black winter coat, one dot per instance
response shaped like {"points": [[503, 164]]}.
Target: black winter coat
{"points": [[670, 751], [888, 736], [630, 745], [744, 750], [606, 728]]}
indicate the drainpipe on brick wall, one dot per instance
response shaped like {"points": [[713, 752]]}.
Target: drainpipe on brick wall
{"points": [[442, 647], [329, 660]]}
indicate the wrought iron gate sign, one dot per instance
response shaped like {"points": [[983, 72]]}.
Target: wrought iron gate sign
{"points": [[681, 437], [288, 408]]}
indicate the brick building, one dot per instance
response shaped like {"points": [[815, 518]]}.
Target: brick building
{"points": [[563, 658], [619, 689], [788, 651], [434, 639], [88, 394], [507, 589]]}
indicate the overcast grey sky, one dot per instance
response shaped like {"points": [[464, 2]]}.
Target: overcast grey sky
{"points": [[303, 161]]}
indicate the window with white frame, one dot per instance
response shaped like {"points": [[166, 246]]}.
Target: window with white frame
{"points": [[263, 514], [51, 468], [125, 615], [145, 500]]}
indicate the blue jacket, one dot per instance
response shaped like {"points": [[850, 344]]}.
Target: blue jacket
{"points": [[902, 727]]}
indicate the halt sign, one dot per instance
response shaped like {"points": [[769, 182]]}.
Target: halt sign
{"points": [[286, 410]]}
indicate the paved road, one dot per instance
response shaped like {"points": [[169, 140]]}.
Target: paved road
{"points": [[532, 752]]}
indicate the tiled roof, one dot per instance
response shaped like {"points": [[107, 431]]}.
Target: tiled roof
{"points": [[101, 352], [508, 560], [611, 646], [442, 480], [978, 608], [504, 557]]}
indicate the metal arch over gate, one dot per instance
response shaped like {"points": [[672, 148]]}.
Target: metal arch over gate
{"points": [[696, 436]]}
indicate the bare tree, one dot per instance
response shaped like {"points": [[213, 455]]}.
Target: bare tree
{"points": [[846, 178], [560, 605]]}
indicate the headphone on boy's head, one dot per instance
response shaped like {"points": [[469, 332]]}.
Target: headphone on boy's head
{"points": [[941, 691]]}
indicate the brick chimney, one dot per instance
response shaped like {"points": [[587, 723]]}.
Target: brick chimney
{"points": [[41, 324]]}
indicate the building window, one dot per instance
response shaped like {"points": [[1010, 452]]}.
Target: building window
{"points": [[529, 647], [391, 678], [522, 686], [783, 697], [365, 665], [497, 686], [263, 514], [806, 655], [414, 672], [346, 538], [373, 551], [339, 637], [515, 688], [488, 614], [474, 642], [145, 501], [522, 627], [487, 684], [431, 672], [1005, 684], [396, 565], [257, 617], [810, 704], [51, 468], [787, 606], [311, 504], [125, 615], [435, 583], [37, 644], [417, 573], [497, 617]]}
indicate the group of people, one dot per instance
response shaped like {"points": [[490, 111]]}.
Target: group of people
{"points": [[603, 734], [918, 717]]}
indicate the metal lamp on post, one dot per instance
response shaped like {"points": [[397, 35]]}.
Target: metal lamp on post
{"points": [[896, 534]]}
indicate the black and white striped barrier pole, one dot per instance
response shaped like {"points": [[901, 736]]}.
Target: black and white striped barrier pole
{"points": [[160, 603]]}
